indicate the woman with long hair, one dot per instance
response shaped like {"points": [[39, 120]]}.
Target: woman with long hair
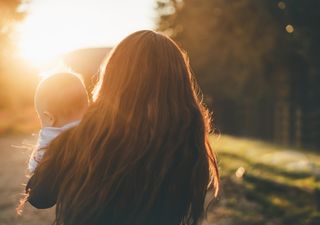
{"points": [[141, 154]]}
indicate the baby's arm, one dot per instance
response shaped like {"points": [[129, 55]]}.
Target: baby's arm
{"points": [[35, 158], [46, 135]]}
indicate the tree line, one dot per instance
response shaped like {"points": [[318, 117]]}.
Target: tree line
{"points": [[257, 63], [17, 79]]}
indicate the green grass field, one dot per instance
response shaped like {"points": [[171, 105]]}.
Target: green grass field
{"points": [[266, 184]]}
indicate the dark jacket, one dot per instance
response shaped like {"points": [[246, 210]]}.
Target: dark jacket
{"points": [[45, 196]]}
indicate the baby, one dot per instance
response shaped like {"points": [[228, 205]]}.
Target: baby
{"points": [[60, 101]]}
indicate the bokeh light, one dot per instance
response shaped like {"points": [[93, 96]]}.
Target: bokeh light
{"points": [[289, 28]]}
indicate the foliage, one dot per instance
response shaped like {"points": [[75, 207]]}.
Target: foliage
{"points": [[256, 62], [222, 46], [16, 87]]}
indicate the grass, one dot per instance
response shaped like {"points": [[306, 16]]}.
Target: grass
{"points": [[266, 184]]}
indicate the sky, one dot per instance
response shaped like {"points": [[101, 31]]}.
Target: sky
{"points": [[53, 27]]}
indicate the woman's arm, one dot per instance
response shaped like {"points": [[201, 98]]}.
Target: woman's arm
{"points": [[43, 187], [42, 193]]}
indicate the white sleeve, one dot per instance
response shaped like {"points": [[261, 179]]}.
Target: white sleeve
{"points": [[35, 158]]}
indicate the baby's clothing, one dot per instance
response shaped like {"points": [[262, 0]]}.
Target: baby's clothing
{"points": [[46, 135]]}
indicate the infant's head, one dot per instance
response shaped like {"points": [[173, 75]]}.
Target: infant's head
{"points": [[60, 99]]}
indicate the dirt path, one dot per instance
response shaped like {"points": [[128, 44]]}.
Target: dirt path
{"points": [[13, 161]]}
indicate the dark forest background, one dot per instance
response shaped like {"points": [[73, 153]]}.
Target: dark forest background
{"points": [[257, 63]]}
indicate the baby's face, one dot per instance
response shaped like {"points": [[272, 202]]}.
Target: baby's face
{"points": [[48, 118]]}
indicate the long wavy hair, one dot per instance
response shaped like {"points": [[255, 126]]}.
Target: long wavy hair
{"points": [[141, 154]]}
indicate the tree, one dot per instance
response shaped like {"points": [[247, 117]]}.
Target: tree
{"points": [[253, 59], [11, 13]]}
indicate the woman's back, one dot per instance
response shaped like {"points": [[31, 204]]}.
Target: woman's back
{"points": [[141, 153]]}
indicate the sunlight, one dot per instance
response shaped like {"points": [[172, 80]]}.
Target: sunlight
{"points": [[52, 28], [40, 45]]}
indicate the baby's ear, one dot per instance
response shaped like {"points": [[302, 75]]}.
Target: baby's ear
{"points": [[49, 119]]}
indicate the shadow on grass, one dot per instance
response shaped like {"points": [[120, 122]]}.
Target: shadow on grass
{"points": [[293, 205], [257, 199]]}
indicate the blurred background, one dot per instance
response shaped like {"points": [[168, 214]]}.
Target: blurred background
{"points": [[257, 63]]}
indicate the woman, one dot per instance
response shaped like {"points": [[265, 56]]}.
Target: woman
{"points": [[141, 155]]}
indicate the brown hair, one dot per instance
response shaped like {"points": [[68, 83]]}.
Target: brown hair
{"points": [[141, 154]]}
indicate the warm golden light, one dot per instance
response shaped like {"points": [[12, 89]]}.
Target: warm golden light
{"points": [[55, 27], [289, 28], [240, 172], [38, 44]]}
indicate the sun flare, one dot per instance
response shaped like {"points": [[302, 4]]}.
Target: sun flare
{"points": [[40, 45], [52, 28]]}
